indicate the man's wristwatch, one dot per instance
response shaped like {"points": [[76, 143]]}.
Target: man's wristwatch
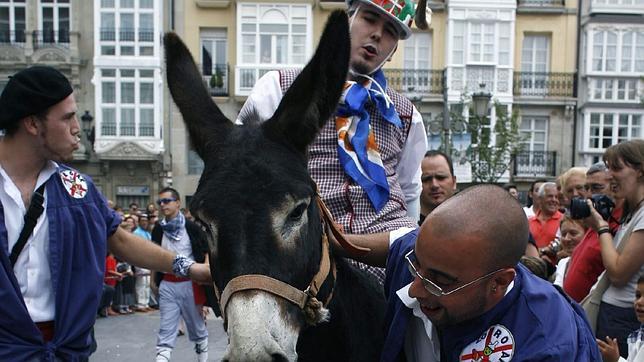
{"points": [[181, 266]]}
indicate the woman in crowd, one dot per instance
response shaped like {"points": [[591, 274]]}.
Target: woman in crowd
{"points": [[616, 318], [572, 231]]}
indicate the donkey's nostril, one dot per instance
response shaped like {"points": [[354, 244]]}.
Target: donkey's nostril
{"points": [[278, 357]]}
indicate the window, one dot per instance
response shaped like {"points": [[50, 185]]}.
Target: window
{"points": [[12, 21], [459, 42], [272, 36], [618, 51], [615, 90], [533, 131], [534, 64], [54, 21], [606, 129], [127, 28], [127, 102], [417, 62], [214, 65], [481, 43], [195, 163]]}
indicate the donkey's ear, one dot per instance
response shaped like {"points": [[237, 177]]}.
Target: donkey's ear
{"points": [[206, 124], [314, 94]]}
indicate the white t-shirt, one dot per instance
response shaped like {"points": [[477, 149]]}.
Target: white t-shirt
{"points": [[32, 267], [623, 297]]}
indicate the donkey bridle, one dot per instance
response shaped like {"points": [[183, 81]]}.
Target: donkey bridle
{"points": [[284, 290]]}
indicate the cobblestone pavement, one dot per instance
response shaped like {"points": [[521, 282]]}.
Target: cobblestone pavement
{"points": [[132, 338]]}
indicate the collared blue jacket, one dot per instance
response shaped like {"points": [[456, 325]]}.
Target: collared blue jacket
{"points": [[78, 232], [533, 322]]}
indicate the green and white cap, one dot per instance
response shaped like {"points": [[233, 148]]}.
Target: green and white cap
{"points": [[402, 13]]}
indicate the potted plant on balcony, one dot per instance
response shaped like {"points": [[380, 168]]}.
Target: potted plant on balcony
{"points": [[217, 79]]}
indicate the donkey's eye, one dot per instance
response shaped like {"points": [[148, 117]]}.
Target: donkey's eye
{"points": [[297, 213]]}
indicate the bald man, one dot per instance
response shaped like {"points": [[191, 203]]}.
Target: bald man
{"points": [[460, 294]]}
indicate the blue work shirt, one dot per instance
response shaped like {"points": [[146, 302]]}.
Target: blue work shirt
{"points": [[79, 226], [533, 322]]}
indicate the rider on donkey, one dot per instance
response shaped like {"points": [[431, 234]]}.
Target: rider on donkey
{"points": [[366, 162]]}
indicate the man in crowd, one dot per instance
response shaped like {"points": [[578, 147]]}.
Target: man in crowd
{"points": [[573, 184], [177, 296], [52, 271], [439, 182], [370, 186], [533, 202], [142, 275], [586, 263], [544, 226], [468, 283], [512, 190]]}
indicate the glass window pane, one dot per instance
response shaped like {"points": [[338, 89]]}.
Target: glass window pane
{"points": [[108, 72], [127, 92], [146, 4], [146, 73], [147, 93], [107, 3], [127, 4], [146, 123], [127, 122], [108, 125], [127, 73], [109, 92]]}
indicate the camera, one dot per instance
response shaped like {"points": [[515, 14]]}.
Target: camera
{"points": [[552, 249], [602, 203]]}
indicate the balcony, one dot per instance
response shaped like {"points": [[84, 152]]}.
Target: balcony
{"points": [[216, 79], [127, 34], [12, 37], [540, 6], [544, 85], [530, 164], [629, 7], [417, 82], [48, 38]]}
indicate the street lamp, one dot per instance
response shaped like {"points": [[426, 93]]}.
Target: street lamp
{"points": [[481, 101], [88, 127]]}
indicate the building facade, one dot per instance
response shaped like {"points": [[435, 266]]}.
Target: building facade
{"points": [[611, 87]]}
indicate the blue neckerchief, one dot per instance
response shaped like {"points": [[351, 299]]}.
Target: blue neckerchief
{"points": [[368, 171], [172, 229]]}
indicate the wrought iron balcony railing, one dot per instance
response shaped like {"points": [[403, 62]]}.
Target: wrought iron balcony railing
{"points": [[127, 34], [16, 37], [535, 164], [544, 84], [541, 3], [216, 77], [421, 82], [49, 36]]}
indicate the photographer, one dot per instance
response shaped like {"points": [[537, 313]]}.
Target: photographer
{"points": [[586, 264], [616, 317]]}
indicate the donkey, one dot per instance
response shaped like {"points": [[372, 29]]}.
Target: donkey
{"points": [[257, 203]]}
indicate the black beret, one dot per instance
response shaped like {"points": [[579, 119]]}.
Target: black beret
{"points": [[32, 91]]}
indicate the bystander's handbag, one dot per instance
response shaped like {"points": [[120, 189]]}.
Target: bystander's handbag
{"points": [[594, 298]]}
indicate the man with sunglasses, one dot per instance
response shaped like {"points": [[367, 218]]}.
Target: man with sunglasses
{"points": [[586, 263], [179, 297], [460, 294]]}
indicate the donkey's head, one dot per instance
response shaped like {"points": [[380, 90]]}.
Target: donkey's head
{"points": [[255, 195]]}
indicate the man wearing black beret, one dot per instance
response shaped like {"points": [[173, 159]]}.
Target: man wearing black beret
{"points": [[52, 262]]}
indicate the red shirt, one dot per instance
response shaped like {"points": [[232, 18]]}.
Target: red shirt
{"points": [[586, 263], [544, 233], [110, 265]]}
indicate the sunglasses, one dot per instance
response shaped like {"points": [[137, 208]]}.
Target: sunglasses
{"points": [[165, 201], [430, 286]]}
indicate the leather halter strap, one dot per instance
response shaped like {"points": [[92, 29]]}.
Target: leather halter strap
{"points": [[284, 290], [278, 287]]}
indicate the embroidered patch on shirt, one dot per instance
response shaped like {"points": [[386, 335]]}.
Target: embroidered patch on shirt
{"points": [[495, 345], [74, 183]]}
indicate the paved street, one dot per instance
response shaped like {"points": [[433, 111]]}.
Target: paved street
{"points": [[132, 338]]}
